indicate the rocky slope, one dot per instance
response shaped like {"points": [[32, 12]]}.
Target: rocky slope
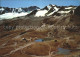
{"points": [[18, 35]]}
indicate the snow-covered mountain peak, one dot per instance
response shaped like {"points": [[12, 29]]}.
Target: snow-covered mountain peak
{"points": [[49, 7], [53, 10]]}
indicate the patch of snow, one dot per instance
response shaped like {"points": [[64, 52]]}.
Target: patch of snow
{"points": [[12, 15], [13, 10], [19, 9], [49, 7], [53, 5], [64, 11], [38, 9], [74, 7], [1, 9], [68, 7], [56, 9], [51, 13], [41, 13]]}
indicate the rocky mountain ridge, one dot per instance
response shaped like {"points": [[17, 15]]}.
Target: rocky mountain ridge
{"points": [[50, 10], [4, 10]]}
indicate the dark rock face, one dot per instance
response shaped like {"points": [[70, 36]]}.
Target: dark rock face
{"points": [[77, 11], [33, 8], [51, 10], [45, 8], [71, 12], [57, 14], [61, 8], [32, 13]]}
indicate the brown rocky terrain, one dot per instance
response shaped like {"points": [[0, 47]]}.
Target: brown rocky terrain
{"points": [[17, 36]]}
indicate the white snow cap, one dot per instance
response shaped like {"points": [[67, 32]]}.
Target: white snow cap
{"points": [[49, 7], [41, 13]]}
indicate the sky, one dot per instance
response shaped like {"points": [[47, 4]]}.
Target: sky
{"points": [[39, 3]]}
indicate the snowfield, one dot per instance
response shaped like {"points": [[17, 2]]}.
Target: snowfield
{"points": [[41, 13], [68, 7], [64, 11], [12, 15]]}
